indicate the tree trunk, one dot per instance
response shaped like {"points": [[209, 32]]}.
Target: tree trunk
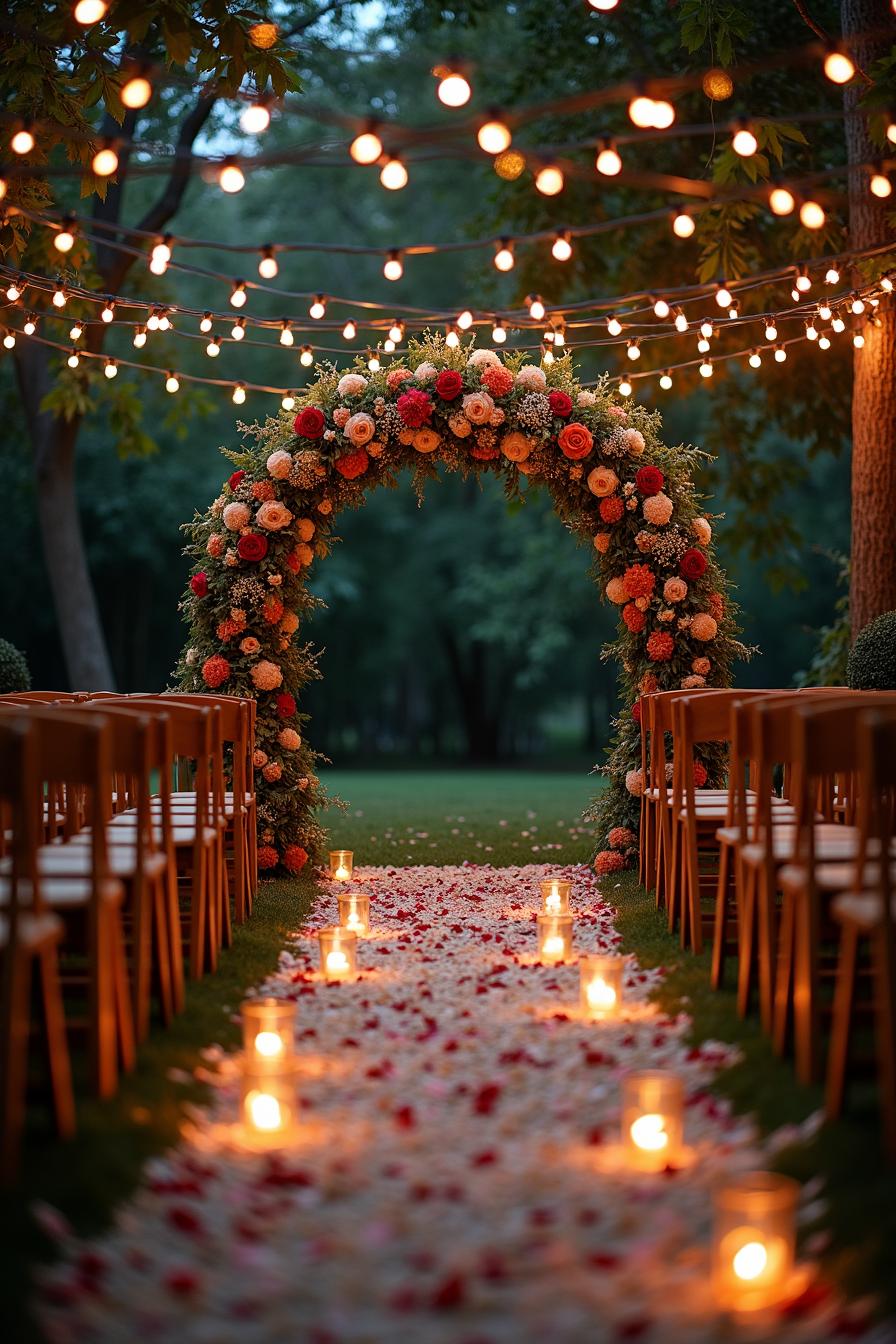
{"points": [[53, 447], [869, 28]]}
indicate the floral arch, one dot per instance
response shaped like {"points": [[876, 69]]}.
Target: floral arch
{"points": [[614, 485]]}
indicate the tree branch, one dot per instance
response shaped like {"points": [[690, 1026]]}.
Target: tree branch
{"points": [[304, 24], [811, 24]]}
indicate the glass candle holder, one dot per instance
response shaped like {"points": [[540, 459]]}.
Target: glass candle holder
{"points": [[268, 1033], [652, 1119], [555, 896], [754, 1237], [354, 911], [338, 953], [269, 1104], [600, 985], [342, 862], [554, 937]]}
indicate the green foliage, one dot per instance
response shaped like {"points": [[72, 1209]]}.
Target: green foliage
{"points": [[716, 24], [831, 656], [14, 674], [872, 659]]}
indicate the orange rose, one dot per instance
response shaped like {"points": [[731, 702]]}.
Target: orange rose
{"points": [[516, 446], [426, 440], [602, 481], [575, 440]]}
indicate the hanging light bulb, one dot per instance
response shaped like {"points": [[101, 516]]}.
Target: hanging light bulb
{"points": [[812, 215], [824, 311], [536, 307], [625, 388], [681, 322], [172, 384], [549, 180], [230, 176], [64, 240], [734, 310], [256, 118], [286, 336], [881, 186], [288, 403], [886, 284], [88, 12], [824, 342], [388, 345], [559, 335], [838, 66], [547, 355], [267, 265], [780, 354], [703, 346], [641, 112], [683, 225], [238, 294], [14, 290], [4, 186], [771, 331], [838, 324], [206, 322], [30, 326], [213, 349], [499, 332], [136, 91], [105, 161], [164, 320], [22, 141], [832, 276], [9, 340], [108, 311], [755, 359], [858, 340], [562, 247], [396, 332], [73, 361], [857, 305], [608, 161], [744, 142], [707, 330], [349, 331], [452, 339], [723, 296], [661, 309], [663, 114], [504, 258], [614, 326], [393, 267], [453, 89], [781, 201], [803, 281], [393, 175], [366, 147], [811, 331], [238, 330], [76, 332], [306, 356], [318, 307], [493, 136], [140, 338], [373, 363], [665, 380], [706, 369], [603, 6], [239, 394], [633, 349], [110, 368], [465, 319]]}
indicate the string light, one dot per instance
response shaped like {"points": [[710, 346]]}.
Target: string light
{"points": [[152, 323], [349, 331], [614, 326], [562, 247], [88, 12], [723, 296], [238, 330], [703, 345], [838, 324], [811, 331], [665, 380], [318, 307], [707, 330], [536, 307], [453, 89], [230, 176], [499, 332], [286, 336], [22, 141], [239, 394], [734, 310], [886, 284], [306, 356], [9, 340], [683, 225], [206, 323], [30, 326], [856, 306], [832, 276], [681, 322], [625, 388], [812, 216], [452, 338], [14, 290], [661, 309], [744, 142], [706, 369], [549, 180], [393, 267], [105, 161], [73, 361], [160, 255], [465, 319], [881, 186], [755, 360], [288, 403], [396, 331], [256, 118], [858, 340], [838, 67], [824, 311], [803, 281], [164, 320], [64, 240], [824, 342], [60, 298], [393, 175], [559, 335], [781, 201], [608, 161], [633, 349], [108, 311], [136, 92], [238, 294], [3, 187], [76, 332], [367, 147], [110, 368], [780, 354], [139, 338], [373, 363], [267, 264], [172, 384], [213, 349], [771, 331], [493, 137], [603, 6], [651, 113], [504, 258], [388, 345]]}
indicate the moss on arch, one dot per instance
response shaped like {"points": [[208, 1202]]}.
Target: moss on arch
{"points": [[613, 482]]}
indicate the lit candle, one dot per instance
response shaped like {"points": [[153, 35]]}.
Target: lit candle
{"points": [[600, 981], [753, 1240], [341, 864], [338, 953], [555, 896], [354, 911], [652, 1119], [554, 937], [269, 1104], [268, 1032]]}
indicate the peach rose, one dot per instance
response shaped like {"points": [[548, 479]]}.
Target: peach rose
{"points": [[289, 739], [351, 385], [273, 516], [616, 591], [575, 440], [325, 506], [279, 465], [657, 509], [341, 417], [634, 440], [460, 425], [305, 529], [236, 516], [426, 440], [259, 758], [395, 377], [249, 645], [216, 545], [602, 542], [360, 429], [702, 531], [515, 446], [602, 481], [477, 407], [303, 554], [675, 590]]}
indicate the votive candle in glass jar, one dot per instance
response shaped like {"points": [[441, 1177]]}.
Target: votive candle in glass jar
{"points": [[652, 1119], [269, 1104], [754, 1237], [600, 982], [341, 864], [268, 1032], [354, 911], [338, 953], [555, 896], [554, 937]]}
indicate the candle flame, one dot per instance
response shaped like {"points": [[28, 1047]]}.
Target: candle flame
{"points": [[649, 1133], [553, 946], [337, 962], [750, 1261], [269, 1044], [552, 903], [264, 1111], [342, 874], [601, 996]]}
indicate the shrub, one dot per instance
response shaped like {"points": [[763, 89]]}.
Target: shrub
{"points": [[14, 674], [872, 659]]}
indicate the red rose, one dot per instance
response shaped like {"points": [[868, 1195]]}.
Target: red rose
{"points": [[295, 858], [252, 546], [199, 584], [293, 562], [235, 479], [309, 423], [352, 464], [286, 705], [633, 617], [449, 384], [649, 480], [692, 564], [611, 509], [415, 408], [561, 404]]}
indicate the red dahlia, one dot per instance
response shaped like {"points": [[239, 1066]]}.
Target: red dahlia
{"points": [[660, 646], [267, 856], [295, 858], [634, 619], [235, 479], [415, 408], [352, 464], [611, 509]]}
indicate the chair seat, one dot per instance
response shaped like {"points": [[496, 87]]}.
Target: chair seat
{"points": [[66, 893], [831, 877], [183, 833], [32, 931], [864, 909], [831, 842], [75, 858]]}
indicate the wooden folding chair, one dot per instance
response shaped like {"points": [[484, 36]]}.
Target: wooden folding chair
{"points": [[29, 942]]}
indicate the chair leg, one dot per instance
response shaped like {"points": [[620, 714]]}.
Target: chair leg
{"points": [[720, 923], [102, 1007], [161, 946], [806, 1010], [885, 1033], [239, 864], [766, 922], [746, 939], [58, 1062], [784, 978], [127, 1045], [16, 1020], [690, 895], [198, 899], [141, 972], [844, 996]]}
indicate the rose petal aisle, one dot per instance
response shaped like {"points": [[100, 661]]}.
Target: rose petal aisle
{"points": [[456, 1176]]}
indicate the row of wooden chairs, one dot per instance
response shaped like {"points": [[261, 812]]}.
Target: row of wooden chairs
{"points": [[783, 868], [128, 823]]}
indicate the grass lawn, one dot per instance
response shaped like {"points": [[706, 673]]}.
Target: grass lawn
{"points": [[427, 817]]}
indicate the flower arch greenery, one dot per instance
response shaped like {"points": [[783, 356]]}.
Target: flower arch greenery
{"points": [[613, 483]]}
